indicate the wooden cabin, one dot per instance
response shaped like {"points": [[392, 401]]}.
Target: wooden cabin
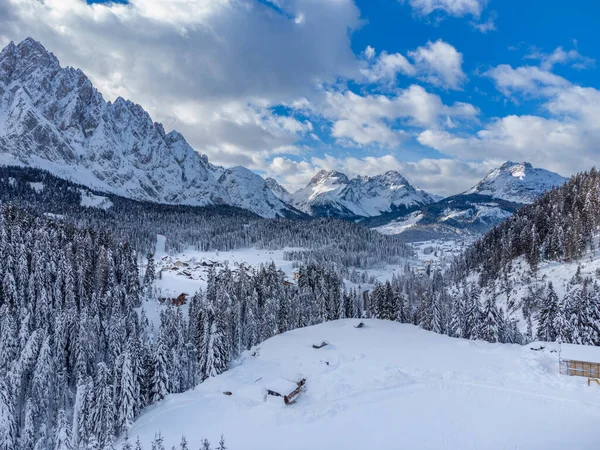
{"points": [[181, 264], [580, 360], [180, 300], [287, 389]]}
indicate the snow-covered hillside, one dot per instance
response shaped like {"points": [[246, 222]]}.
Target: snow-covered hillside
{"points": [[280, 192], [250, 191], [517, 182], [53, 118], [332, 193], [384, 386]]}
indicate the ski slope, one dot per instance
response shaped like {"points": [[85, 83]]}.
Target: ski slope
{"points": [[385, 386]]}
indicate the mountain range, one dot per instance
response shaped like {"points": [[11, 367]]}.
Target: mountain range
{"points": [[52, 117], [503, 191]]}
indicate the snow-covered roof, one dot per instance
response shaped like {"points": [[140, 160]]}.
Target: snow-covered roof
{"points": [[281, 386], [576, 352]]}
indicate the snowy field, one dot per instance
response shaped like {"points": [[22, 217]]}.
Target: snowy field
{"points": [[186, 272], [385, 386]]}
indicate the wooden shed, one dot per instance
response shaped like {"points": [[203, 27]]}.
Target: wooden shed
{"points": [[289, 390], [180, 300], [580, 360]]}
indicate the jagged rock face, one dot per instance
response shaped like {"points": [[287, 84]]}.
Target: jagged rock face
{"points": [[53, 118], [250, 191], [280, 192], [331, 193], [517, 182]]}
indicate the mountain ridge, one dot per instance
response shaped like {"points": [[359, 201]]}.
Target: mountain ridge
{"points": [[53, 118], [332, 193], [496, 197]]}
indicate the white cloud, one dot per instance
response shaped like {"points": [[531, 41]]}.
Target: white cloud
{"points": [[190, 63], [456, 8], [372, 119], [437, 63], [387, 67], [563, 137], [440, 64], [529, 80], [369, 52], [577, 103], [561, 56], [487, 26], [546, 142]]}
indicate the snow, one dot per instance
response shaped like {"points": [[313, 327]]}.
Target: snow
{"points": [[54, 216], [575, 352], [120, 149], [161, 242], [517, 182], [489, 213], [387, 385], [250, 191], [360, 196], [559, 273], [440, 252], [280, 385], [185, 273], [94, 201], [279, 191], [37, 187], [400, 225]]}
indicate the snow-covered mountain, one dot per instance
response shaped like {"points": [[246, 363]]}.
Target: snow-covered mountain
{"points": [[280, 192], [250, 191], [53, 118], [333, 194], [517, 182], [495, 198]]}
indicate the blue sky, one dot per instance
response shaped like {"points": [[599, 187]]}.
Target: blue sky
{"points": [[440, 90]]}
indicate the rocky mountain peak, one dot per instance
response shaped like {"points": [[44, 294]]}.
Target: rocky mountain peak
{"points": [[333, 175], [331, 193], [53, 118], [517, 182]]}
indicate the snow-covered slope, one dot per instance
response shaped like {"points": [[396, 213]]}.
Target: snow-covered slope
{"points": [[331, 193], [250, 191], [517, 182], [280, 192], [384, 386], [53, 118]]}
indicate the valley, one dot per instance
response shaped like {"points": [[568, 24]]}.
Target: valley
{"points": [[280, 280]]}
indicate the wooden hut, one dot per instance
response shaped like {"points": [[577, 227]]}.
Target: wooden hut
{"points": [[580, 360], [289, 390], [180, 300]]}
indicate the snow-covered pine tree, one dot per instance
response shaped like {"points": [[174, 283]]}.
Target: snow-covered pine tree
{"points": [[62, 435], [160, 379], [491, 322], [546, 330]]}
